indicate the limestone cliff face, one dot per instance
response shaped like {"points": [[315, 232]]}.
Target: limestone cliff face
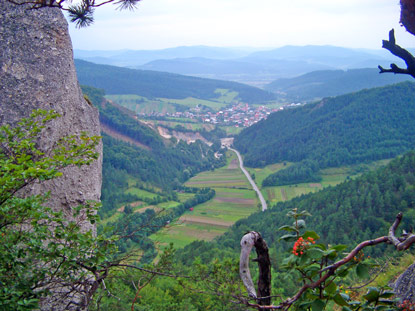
{"points": [[404, 286], [37, 71]]}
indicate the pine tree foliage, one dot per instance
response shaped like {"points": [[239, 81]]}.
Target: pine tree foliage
{"points": [[80, 12]]}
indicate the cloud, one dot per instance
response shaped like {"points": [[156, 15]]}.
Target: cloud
{"points": [[262, 23]]}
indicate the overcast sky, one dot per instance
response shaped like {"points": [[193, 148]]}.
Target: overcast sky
{"points": [[158, 24]]}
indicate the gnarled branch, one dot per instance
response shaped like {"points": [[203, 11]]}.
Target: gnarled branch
{"points": [[400, 52], [248, 240], [264, 281]]}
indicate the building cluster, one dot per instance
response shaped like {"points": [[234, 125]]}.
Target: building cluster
{"points": [[238, 115]]}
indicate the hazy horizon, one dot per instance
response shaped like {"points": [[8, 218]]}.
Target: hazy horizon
{"points": [[265, 24]]}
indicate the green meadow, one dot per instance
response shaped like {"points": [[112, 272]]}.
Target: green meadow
{"points": [[234, 200], [141, 104]]}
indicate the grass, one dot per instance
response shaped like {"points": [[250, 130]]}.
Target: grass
{"points": [[141, 104], [234, 200], [182, 234], [226, 96], [193, 102], [194, 126], [232, 130], [184, 196], [141, 193], [229, 176]]}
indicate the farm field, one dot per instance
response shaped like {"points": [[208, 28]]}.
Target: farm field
{"points": [[141, 193], [273, 195], [331, 177], [194, 126], [229, 176], [141, 104], [234, 200]]}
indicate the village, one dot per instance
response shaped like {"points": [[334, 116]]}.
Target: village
{"points": [[237, 114]]}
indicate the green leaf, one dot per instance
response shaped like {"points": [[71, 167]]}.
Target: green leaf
{"points": [[362, 271], [318, 305], [331, 288], [386, 302], [372, 294], [315, 253], [338, 299], [387, 294], [310, 234], [288, 228], [288, 237]]}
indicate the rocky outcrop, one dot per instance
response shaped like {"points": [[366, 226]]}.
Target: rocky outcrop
{"points": [[37, 71], [404, 286]]}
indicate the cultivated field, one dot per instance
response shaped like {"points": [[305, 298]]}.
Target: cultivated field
{"points": [[141, 104], [234, 200]]}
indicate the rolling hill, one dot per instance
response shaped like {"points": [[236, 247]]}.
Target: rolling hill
{"points": [[319, 84], [152, 84], [242, 64], [358, 127]]}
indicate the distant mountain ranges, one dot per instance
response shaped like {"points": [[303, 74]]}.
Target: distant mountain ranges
{"points": [[293, 73]]}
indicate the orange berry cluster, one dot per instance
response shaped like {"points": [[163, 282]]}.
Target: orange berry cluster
{"points": [[301, 245], [406, 305]]}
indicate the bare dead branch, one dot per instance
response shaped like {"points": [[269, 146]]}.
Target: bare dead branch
{"points": [[400, 52]]}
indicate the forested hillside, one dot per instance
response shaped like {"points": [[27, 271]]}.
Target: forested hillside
{"points": [[359, 127], [319, 84], [349, 213], [152, 84], [160, 165]]}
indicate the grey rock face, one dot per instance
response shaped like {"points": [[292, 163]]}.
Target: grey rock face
{"points": [[404, 286], [37, 71]]}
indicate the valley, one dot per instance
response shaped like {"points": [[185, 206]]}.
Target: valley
{"points": [[172, 177], [273, 171]]}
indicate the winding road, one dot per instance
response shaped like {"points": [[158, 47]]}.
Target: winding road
{"points": [[251, 181]]}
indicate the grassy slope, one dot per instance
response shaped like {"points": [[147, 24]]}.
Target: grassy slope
{"points": [[234, 199]]}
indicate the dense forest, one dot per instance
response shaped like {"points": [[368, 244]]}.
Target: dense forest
{"points": [[324, 83], [358, 127], [153, 84], [301, 172]]}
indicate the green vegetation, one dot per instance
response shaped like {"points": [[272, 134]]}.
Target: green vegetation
{"points": [[358, 209], [39, 246], [234, 200], [157, 164], [360, 127], [302, 172], [324, 83], [152, 84]]}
